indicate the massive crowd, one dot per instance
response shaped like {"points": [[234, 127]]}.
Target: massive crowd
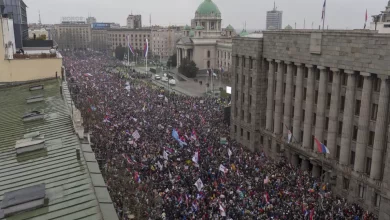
{"points": [[162, 155]]}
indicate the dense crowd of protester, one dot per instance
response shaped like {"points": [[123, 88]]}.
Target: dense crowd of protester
{"points": [[167, 156]]}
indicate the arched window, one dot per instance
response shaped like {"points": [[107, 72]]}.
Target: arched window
{"points": [[208, 54], [208, 64]]}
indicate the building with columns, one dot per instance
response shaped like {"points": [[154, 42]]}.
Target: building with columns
{"points": [[333, 86], [205, 41]]}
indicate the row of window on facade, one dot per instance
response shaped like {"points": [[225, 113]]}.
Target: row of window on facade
{"points": [[124, 35], [362, 193], [224, 54], [243, 62]]}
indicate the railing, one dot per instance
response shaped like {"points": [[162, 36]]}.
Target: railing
{"points": [[35, 56]]}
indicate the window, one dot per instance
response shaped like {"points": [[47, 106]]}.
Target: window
{"points": [[236, 112], [330, 77], [208, 54], [250, 63], [374, 111], [314, 119], [243, 81], [237, 60], [250, 100], [377, 199], [342, 103], [243, 61], [293, 95], [340, 128], [303, 116], [242, 132], [368, 165], [242, 115], [326, 123], [362, 190], [318, 75], [371, 138], [235, 129], [352, 159], [360, 80], [316, 97], [377, 84], [304, 94], [345, 183], [328, 100], [249, 119], [261, 139], [243, 97], [236, 78], [344, 79], [250, 82], [355, 133], [248, 136], [284, 88], [208, 64], [306, 73], [338, 149], [357, 107]]}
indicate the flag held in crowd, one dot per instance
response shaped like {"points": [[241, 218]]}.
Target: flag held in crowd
{"points": [[195, 158], [321, 147], [199, 184], [136, 135], [229, 152], [165, 155], [223, 169]]}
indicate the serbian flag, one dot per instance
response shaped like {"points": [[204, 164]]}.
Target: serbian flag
{"points": [[128, 44], [311, 216], [266, 196], [365, 23], [193, 135], [323, 10], [136, 177], [146, 49], [321, 147]]}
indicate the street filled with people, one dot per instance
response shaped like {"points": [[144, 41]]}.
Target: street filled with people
{"points": [[169, 156]]}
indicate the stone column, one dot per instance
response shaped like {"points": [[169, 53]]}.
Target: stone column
{"points": [[315, 172], [321, 106], [305, 164], [346, 135], [278, 99], [307, 139], [177, 57], [380, 130], [298, 104], [364, 123], [288, 99], [334, 113], [270, 95]]}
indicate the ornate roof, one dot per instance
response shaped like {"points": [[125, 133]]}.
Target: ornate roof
{"points": [[243, 33], [199, 27], [187, 28], [229, 27], [208, 7], [288, 27], [192, 33]]}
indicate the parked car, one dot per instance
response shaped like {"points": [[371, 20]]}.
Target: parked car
{"points": [[172, 82], [157, 77]]}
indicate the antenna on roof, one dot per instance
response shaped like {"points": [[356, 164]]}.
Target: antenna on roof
{"points": [[274, 5], [150, 20], [39, 22]]}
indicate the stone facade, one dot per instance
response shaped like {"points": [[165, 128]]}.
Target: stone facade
{"points": [[333, 86]]}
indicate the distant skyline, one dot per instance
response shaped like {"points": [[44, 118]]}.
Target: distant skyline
{"points": [[340, 14]]}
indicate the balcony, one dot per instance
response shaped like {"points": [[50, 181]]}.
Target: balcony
{"points": [[36, 56]]}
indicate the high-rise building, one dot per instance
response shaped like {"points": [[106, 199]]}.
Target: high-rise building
{"points": [[16, 10], [289, 99], [91, 20], [73, 33], [134, 21], [274, 19]]}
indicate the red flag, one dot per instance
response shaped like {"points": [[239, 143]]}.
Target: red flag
{"points": [[365, 23], [311, 214], [366, 15]]}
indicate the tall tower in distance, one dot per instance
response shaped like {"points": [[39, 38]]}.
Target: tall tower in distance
{"points": [[274, 19], [134, 21]]}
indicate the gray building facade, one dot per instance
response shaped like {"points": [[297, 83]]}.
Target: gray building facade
{"points": [[16, 10], [274, 19], [333, 86]]}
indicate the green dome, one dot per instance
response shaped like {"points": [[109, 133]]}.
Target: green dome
{"points": [[207, 7], [187, 28], [199, 28], [243, 33], [192, 33], [229, 27], [288, 27]]}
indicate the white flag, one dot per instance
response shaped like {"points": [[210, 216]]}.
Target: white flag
{"points": [[159, 165], [289, 136], [195, 158], [166, 99], [165, 155], [229, 153], [136, 135], [199, 184], [222, 210], [223, 168]]}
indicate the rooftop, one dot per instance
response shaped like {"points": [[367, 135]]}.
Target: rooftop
{"points": [[70, 186]]}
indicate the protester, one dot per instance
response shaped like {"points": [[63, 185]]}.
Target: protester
{"points": [[162, 156]]}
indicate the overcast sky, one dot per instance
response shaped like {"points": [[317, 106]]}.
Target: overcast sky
{"points": [[341, 14]]}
